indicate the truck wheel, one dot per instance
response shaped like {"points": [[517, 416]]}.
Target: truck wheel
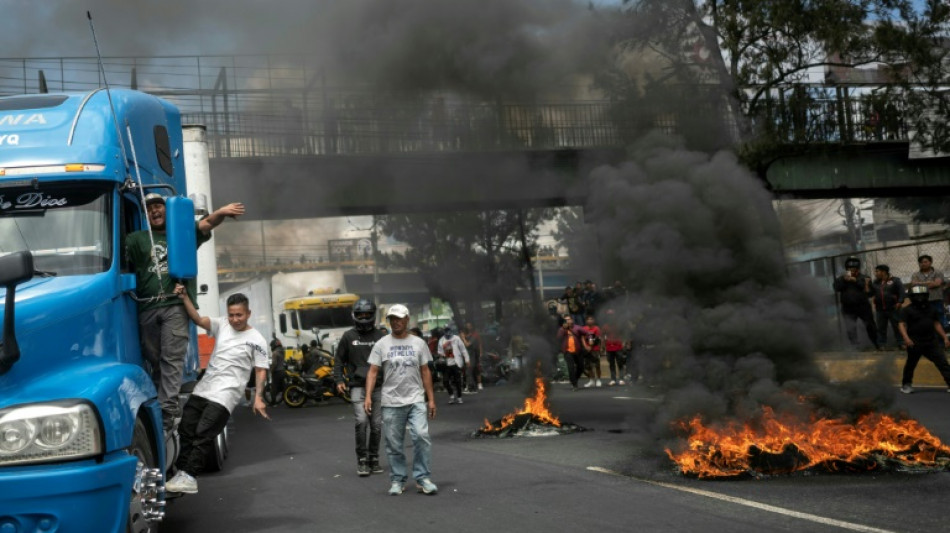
{"points": [[143, 504], [219, 452], [294, 396]]}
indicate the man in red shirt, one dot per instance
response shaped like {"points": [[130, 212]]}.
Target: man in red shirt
{"points": [[593, 347], [613, 345]]}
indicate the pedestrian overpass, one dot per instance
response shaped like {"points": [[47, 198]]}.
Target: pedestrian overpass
{"points": [[289, 143]]}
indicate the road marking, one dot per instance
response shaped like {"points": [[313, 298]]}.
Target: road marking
{"points": [[749, 503], [636, 398]]}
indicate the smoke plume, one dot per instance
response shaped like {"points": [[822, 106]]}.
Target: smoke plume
{"points": [[718, 325]]}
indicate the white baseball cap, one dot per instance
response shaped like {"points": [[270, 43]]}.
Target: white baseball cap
{"points": [[398, 311]]}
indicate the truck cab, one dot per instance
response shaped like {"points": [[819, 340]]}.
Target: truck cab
{"points": [[81, 442]]}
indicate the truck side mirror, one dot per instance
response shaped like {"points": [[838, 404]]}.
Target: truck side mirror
{"points": [[15, 268], [182, 241]]}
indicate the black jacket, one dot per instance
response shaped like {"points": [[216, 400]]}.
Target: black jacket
{"points": [[887, 294], [855, 293], [352, 355]]}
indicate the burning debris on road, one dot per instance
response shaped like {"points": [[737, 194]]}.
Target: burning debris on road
{"points": [[532, 420], [774, 444]]}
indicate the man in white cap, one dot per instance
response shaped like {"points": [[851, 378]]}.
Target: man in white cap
{"points": [[407, 399], [163, 323]]}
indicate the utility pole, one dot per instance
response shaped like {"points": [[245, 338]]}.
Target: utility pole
{"points": [[851, 223], [374, 241], [374, 246]]}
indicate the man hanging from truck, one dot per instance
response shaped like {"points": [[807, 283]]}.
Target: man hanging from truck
{"points": [[239, 351], [163, 322]]}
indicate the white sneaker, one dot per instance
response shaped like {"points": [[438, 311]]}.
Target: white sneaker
{"points": [[589, 384], [459, 401], [451, 399], [183, 482], [480, 386], [598, 383], [907, 389], [622, 382], [612, 383]]}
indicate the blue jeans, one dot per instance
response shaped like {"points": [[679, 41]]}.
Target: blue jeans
{"points": [[395, 420]]}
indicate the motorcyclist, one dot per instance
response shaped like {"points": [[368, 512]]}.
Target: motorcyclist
{"points": [[349, 371]]}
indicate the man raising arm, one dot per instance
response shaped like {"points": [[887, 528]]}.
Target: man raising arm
{"points": [[238, 349]]}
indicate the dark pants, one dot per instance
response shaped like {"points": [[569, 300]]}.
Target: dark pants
{"points": [[164, 340], [476, 366], [575, 366], [616, 360], [373, 425], [851, 317], [934, 352], [883, 317], [453, 380], [201, 421]]}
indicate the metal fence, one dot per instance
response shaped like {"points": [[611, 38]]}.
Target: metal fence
{"points": [[821, 114], [264, 105], [901, 259]]}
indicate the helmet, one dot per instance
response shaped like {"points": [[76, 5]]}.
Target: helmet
{"points": [[364, 315], [919, 294]]}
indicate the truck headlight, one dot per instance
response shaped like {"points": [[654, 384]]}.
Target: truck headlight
{"points": [[48, 432]]}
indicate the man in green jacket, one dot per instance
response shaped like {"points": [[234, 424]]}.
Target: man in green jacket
{"points": [[163, 322]]}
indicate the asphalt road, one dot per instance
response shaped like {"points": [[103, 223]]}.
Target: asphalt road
{"points": [[297, 472]]}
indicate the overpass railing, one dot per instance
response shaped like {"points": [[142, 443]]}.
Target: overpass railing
{"points": [[266, 105]]}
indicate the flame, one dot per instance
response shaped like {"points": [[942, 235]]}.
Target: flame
{"points": [[536, 406], [781, 444]]}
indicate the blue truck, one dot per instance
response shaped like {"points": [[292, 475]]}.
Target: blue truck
{"points": [[81, 441]]}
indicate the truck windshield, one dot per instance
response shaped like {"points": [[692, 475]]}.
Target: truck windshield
{"points": [[67, 227], [333, 317]]}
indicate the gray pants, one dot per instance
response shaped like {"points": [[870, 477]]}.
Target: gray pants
{"points": [[164, 338], [370, 451]]}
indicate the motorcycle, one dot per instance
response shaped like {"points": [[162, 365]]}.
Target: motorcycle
{"points": [[495, 368], [311, 379]]}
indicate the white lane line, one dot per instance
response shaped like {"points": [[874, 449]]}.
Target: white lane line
{"points": [[749, 503], [635, 398]]}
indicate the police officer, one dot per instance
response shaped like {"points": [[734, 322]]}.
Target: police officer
{"points": [[352, 354]]}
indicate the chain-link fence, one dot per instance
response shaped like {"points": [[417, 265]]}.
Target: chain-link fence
{"points": [[901, 259]]}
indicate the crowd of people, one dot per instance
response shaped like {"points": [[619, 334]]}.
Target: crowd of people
{"points": [[582, 343], [915, 313]]}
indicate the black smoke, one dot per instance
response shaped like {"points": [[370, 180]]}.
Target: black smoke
{"points": [[719, 327]]}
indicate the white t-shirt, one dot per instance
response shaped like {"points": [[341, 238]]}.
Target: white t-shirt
{"points": [[453, 349], [401, 361], [235, 354]]}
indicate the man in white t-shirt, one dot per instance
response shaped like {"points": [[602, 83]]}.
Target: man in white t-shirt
{"points": [[238, 349], [456, 357], [406, 399]]}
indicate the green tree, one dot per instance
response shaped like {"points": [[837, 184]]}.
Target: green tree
{"points": [[736, 56], [467, 257]]}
